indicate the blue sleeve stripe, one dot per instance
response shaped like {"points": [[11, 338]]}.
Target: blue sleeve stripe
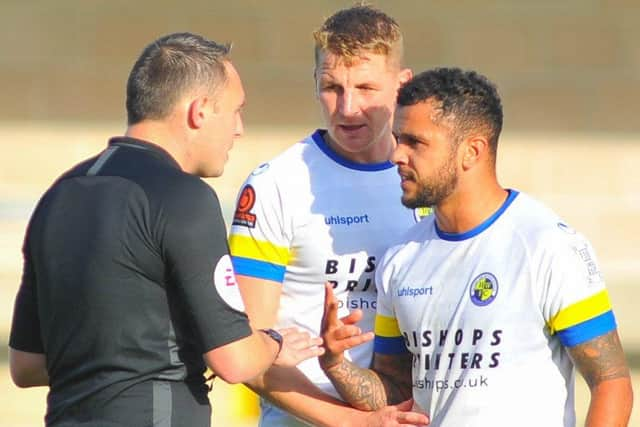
{"points": [[258, 269], [582, 332], [387, 345]]}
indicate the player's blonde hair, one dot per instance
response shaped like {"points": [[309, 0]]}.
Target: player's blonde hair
{"points": [[350, 32]]}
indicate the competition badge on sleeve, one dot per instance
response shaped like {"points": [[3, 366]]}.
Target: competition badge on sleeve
{"points": [[224, 280], [243, 215]]}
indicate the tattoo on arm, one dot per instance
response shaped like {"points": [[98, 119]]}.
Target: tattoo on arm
{"points": [[600, 359], [389, 381], [360, 387]]}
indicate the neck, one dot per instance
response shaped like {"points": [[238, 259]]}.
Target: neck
{"points": [[469, 207], [163, 135]]}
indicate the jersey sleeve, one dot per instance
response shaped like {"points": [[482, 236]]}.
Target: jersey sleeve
{"points": [[388, 338], [194, 245], [259, 241], [25, 327], [576, 306]]}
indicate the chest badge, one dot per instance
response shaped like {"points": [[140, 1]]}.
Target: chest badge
{"points": [[484, 289]]}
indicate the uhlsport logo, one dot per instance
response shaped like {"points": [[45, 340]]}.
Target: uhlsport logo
{"points": [[347, 220], [422, 212], [484, 289]]}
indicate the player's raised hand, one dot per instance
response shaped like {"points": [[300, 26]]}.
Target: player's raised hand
{"points": [[297, 346], [337, 334]]}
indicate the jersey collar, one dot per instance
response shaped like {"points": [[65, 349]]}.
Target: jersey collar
{"points": [[128, 142], [318, 138], [456, 237]]}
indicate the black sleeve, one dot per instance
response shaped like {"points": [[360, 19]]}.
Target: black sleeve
{"points": [[194, 244], [25, 327]]}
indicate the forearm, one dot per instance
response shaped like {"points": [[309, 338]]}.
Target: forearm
{"points": [[611, 403], [293, 392], [602, 363], [362, 388], [241, 360], [389, 382], [262, 357]]}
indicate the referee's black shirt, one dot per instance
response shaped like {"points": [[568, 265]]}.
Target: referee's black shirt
{"points": [[118, 292]]}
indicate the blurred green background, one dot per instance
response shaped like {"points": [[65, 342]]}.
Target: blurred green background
{"points": [[568, 73]]}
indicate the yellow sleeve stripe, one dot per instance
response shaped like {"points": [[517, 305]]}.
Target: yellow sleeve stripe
{"points": [[248, 247], [386, 326], [581, 311]]}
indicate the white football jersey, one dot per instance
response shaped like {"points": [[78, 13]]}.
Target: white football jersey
{"points": [[308, 217], [487, 315]]}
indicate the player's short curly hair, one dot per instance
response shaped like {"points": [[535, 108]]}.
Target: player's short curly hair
{"points": [[468, 100], [350, 32], [168, 69]]}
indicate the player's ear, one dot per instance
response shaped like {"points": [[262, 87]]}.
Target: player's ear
{"points": [[474, 148], [405, 75]]}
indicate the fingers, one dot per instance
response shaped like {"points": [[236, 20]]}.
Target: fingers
{"points": [[330, 314], [411, 419], [354, 317], [337, 341], [352, 341], [298, 346], [405, 406], [398, 416], [287, 331], [298, 340], [405, 416]]}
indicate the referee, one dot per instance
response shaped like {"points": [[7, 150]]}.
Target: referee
{"points": [[128, 293]]}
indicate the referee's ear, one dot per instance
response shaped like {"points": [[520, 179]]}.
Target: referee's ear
{"points": [[197, 111]]}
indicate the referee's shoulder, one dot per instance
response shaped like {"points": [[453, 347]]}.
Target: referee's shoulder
{"points": [[183, 188]]}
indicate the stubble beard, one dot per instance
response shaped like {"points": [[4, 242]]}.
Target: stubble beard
{"points": [[433, 193]]}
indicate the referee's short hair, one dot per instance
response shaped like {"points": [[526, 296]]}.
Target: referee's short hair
{"points": [[170, 68]]}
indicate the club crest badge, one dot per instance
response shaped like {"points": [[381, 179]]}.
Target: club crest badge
{"points": [[484, 289]]}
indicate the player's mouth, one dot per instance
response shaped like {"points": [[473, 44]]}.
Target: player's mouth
{"points": [[405, 175], [406, 179], [352, 129]]}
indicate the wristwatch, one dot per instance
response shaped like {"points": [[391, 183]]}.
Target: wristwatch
{"points": [[274, 335]]}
